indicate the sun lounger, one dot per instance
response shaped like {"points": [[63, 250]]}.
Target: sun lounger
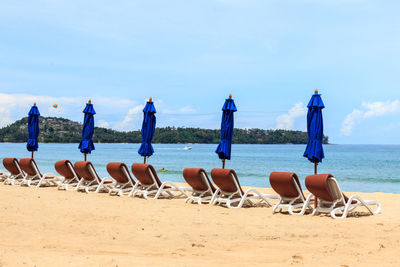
{"points": [[90, 181], [230, 191], [149, 184], [16, 174], [67, 171], [291, 196], [202, 188], [332, 200], [124, 181], [34, 176]]}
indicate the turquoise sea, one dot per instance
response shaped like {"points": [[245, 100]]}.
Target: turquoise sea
{"points": [[363, 168]]}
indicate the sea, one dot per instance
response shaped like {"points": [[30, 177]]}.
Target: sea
{"points": [[358, 168]]}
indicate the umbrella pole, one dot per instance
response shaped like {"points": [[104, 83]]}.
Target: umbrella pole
{"points": [[32, 154], [144, 159], [85, 155], [223, 164], [315, 172]]}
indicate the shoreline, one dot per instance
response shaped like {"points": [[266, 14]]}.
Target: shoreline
{"points": [[78, 229]]}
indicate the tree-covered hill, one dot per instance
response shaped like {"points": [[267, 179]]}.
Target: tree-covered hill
{"points": [[60, 130]]}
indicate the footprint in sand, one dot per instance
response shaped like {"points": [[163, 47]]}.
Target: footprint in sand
{"points": [[198, 245], [297, 259]]}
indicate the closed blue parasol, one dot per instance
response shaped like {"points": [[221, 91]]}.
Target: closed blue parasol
{"points": [[148, 129], [224, 147], [86, 145], [33, 129], [315, 129]]}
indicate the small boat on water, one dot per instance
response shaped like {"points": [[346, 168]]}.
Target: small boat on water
{"points": [[163, 170], [187, 148]]}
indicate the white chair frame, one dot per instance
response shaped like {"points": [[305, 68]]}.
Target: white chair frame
{"points": [[339, 205], [69, 184], [292, 204], [146, 191], [121, 188], [11, 178], [97, 184], [39, 179], [200, 196], [229, 198]]}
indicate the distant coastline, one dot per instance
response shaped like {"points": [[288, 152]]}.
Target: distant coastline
{"points": [[64, 131]]}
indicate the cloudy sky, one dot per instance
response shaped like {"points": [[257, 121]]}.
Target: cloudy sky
{"points": [[189, 55]]}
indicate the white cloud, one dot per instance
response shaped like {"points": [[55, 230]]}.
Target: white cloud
{"points": [[286, 121], [180, 111], [131, 120], [5, 115], [103, 124], [368, 110], [134, 116], [16, 106]]}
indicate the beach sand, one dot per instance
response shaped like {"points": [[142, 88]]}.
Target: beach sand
{"points": [[47, 227]]}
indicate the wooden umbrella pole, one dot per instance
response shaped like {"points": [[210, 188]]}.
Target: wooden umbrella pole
{"points": [[32, 154], [85, 155], [223, 164], [315, 172], [144, 159]]}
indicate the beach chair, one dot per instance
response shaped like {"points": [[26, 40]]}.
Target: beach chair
{"points": [[202, 188], [124, 181], [332, 200], [291, 196], [34, 176], [230, 191], [90, 181], [16, 174], [150, 185], [67, 171]]}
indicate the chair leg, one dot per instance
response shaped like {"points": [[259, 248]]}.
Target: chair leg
{"points": [[306, 204], [214, 196]]}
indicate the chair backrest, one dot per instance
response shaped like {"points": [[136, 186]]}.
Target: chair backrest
{"points": [[286, 184], [120, 172], [197, 178], [65, 169], [146, 174], [29, 166], [12, 165], [226, 180], [318, 186], [85, 170]]}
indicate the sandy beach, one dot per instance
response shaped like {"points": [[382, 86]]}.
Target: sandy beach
{"points": [[47, 227]]}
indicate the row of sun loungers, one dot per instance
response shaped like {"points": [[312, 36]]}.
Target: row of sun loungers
{"points": [[82, 176]]}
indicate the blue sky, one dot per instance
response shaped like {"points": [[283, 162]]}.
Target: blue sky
{"points": [[189, 55]]}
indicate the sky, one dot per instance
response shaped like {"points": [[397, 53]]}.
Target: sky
{"points": [[190, 55]]}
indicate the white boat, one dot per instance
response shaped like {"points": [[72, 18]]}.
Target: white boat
{"points": [[187, 148]]}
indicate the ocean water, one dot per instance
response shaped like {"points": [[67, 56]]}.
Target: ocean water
{"points": [[360, 168]]}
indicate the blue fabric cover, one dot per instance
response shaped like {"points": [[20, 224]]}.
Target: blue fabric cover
{"points": [[33, 129], [224, 147], [86, 145], [148, 129], [315, 129]]}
